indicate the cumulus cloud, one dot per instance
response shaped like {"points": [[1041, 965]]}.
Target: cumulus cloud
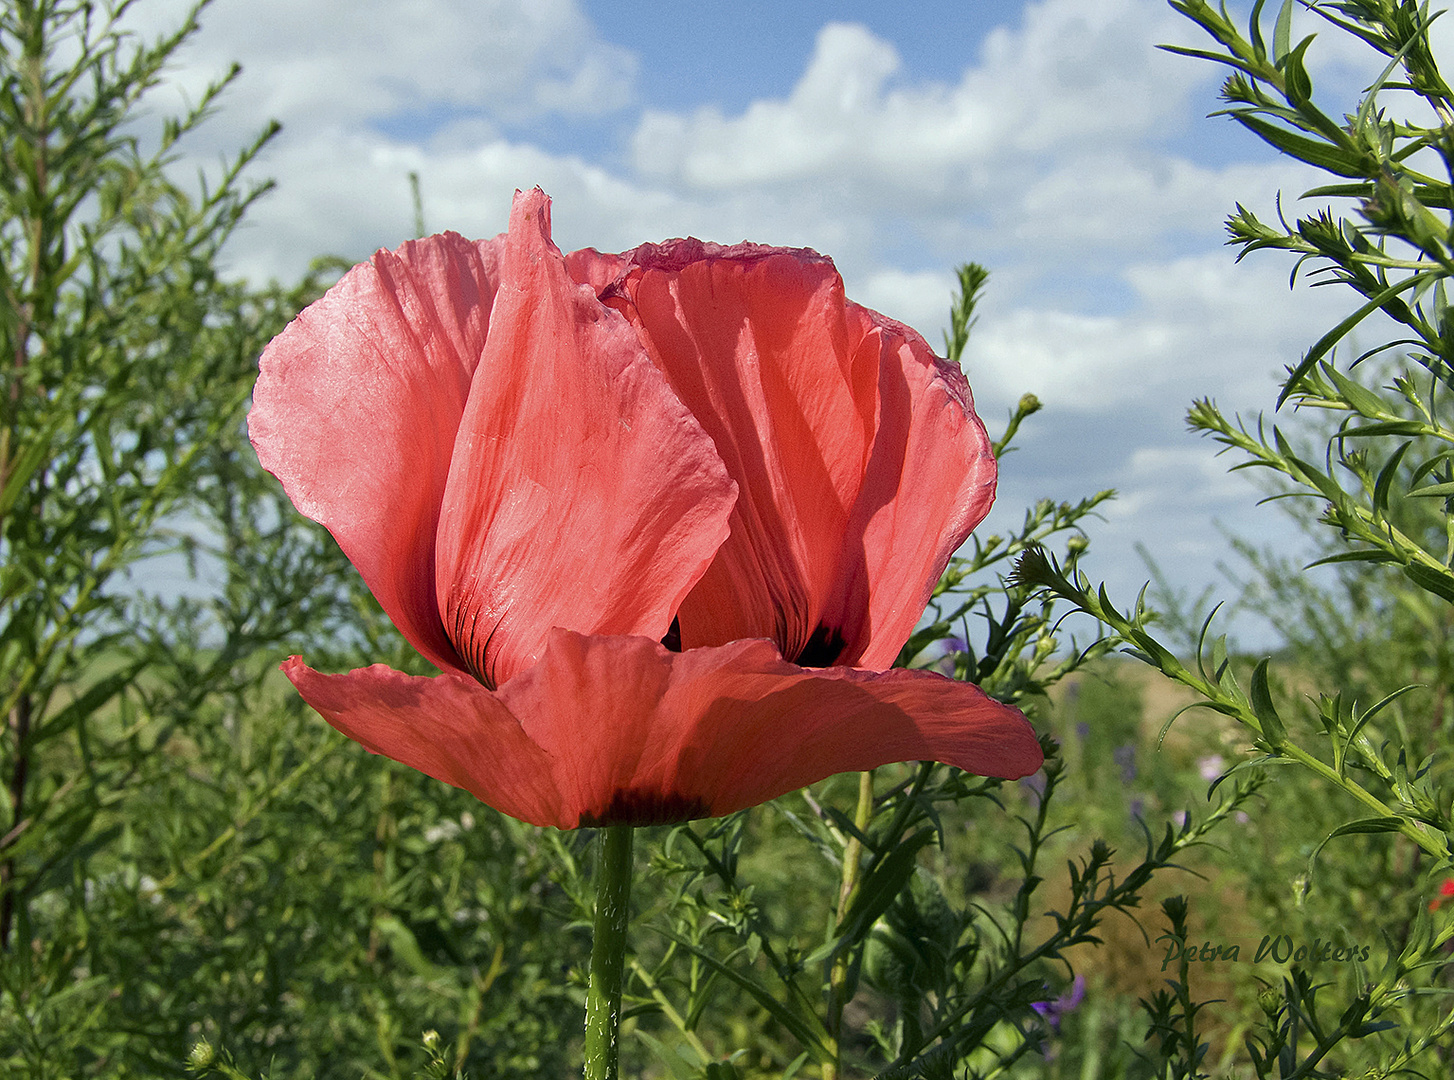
{"points": [[1199, 326], [315, 64], [1076, 73]]}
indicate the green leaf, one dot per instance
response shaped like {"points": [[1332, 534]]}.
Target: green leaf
{"points": [[881, 885], [1161, 735], [1335, 335], [36, 453], [1369, 555], [799, 1026], [1282, 33], [676, 1065], [1438, 582], [1313, 151], [1272, 727], [1354, 393], [405, 946], [1359, 827], [1385, 478], [96, 696], [1441, 491], [1376, 709], [1342, 191]]}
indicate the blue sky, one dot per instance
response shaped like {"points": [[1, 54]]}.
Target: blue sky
{"points": [[1049, 140], [729, 55]]}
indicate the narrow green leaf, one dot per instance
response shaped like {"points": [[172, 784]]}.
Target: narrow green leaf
{"points": [[1161, 735], [1426, 467], [1335, 335], [1438, 582], [1354, 393], [1314, 152], [1341, 191], [1379, 707], [1272, 727], [1282, 33], [677, 1066], [1300, 86], [36, 453], [881, 885], [1352, 828], [1368, 825], [1207, 54], [797, 1025], [1368, 555], [1433, 491], [1385, 478], [405, 946], [94, 698], [1386, 427]]}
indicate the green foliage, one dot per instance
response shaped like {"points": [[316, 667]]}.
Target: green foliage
{"points": [[1383, 488], [183, 852]]}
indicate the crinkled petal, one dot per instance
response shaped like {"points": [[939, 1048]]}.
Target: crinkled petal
{"points": [[929, 481], [617, 730], [357, 405], [448, 727], [637, 734], [597, 269], [582, 492], [759, 344]]}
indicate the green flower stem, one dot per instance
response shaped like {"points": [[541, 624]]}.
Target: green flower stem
{"points": [[608, 953], [838, 977]]}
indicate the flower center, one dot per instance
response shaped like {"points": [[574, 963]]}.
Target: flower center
{"points": [[825, 645]]}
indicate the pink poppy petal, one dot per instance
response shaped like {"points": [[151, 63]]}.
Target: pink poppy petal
{"points": [[582, 493], [930, 480], [356, 408], [591, 267], [638, 734], [758, 343], [448, 727]]}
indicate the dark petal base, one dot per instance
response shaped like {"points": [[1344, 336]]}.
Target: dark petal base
{"points": [[645, 808], [823, 649]]}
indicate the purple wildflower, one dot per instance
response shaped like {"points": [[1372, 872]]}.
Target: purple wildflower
{"points": [[949, 660], [1052, 1011], [1035, 782]]}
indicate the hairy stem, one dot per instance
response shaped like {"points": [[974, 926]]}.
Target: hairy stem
{"points": [[608, 953]]}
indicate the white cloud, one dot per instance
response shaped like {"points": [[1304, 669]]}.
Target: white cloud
{"points": [[1178, 479], [318, 65], [1076, 74], [1201, 326], [920, 300], [1127, 198]]}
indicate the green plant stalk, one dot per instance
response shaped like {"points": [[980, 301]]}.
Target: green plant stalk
{"points": [[1233, 705], [669, 1011], [852, 864], [608, 953]]}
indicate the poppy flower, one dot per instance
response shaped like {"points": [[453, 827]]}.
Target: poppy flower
{"points": [[659, 518]]}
